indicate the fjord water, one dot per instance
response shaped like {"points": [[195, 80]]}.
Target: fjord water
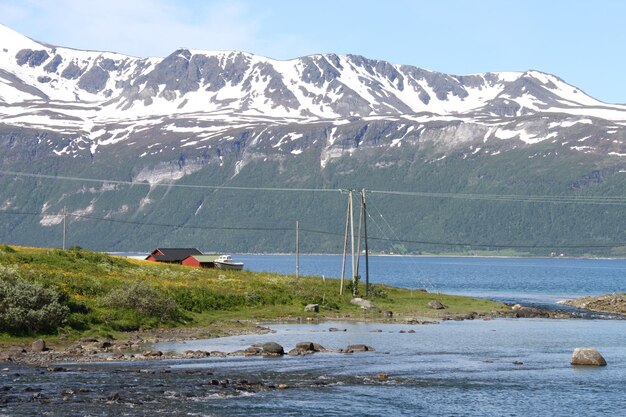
{"points": [[530, 280]]}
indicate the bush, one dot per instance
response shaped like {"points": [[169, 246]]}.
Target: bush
{"points": [[144, 300], [206, 299], [28, 307], [6, 249]]}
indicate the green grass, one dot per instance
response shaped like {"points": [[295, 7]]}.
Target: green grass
{"points": [[112, 295]]}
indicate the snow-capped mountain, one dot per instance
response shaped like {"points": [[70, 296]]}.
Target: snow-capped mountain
{"points": [[305, 89], [204, 93], [322, 121]]}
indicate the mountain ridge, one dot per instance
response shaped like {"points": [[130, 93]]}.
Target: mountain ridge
{"points": [[236, 89], [368, 84], [321, 121]]}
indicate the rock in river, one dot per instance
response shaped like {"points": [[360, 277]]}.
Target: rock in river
{"points": [[587, 357], [358, 348], [273, 349], [306, 348]]}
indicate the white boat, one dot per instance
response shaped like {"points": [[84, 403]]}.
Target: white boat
{"points": [[226, 262]]}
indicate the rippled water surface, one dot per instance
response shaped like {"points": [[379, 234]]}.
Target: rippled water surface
{"points": [[498, 367], [510, 279]]}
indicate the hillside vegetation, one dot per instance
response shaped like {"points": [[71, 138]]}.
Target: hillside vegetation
{"points": [[251, 221], [75, 292]]}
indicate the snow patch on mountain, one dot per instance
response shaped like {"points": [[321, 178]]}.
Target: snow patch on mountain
{"points": [[165, 173], [195, 99]]}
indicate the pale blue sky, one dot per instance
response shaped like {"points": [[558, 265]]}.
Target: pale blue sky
{"points": [[582, 42]]}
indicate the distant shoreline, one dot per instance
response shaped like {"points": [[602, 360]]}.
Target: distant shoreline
{"points": [[141, 255]]}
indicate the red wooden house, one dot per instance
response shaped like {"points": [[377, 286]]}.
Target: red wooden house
{"points": [[171, 255], [204, 261]]}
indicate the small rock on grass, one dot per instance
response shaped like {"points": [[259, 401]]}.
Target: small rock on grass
{"points": [[363, 303], [436, 305], [312, 307]]}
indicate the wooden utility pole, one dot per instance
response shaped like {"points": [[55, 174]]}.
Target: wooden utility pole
{"points": [[367, 269], [64, 226], [354, 283], [358, 240], [297, 249], [345, 246]]}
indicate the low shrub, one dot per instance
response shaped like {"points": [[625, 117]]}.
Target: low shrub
{"points": [[207, 299], [28, 307], [145, 300], [6, 249]]}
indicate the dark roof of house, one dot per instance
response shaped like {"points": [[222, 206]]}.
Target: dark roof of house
{"points": [[173, 254]]}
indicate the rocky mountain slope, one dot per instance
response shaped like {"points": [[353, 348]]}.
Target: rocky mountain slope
{"points": [[322, 121]]}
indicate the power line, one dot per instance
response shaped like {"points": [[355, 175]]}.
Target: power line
{"points": [[329, 233], [192, 186], [555, 199], [136, 223], [423, 281], [476, 245], [558, 199], [501, 246]]}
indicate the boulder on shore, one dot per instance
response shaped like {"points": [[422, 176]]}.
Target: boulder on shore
{"points": [[434, 304], [312, 307], [531, 312], [363, 303], [38, 346], [153, 354], [587, 357]]}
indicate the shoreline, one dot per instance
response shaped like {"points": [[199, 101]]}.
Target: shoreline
{"points": [[139, 345], [206, 304], [608, 258], [607, 303]]}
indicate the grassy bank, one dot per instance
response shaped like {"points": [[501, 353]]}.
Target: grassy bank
{"points": [[77, 293]]}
